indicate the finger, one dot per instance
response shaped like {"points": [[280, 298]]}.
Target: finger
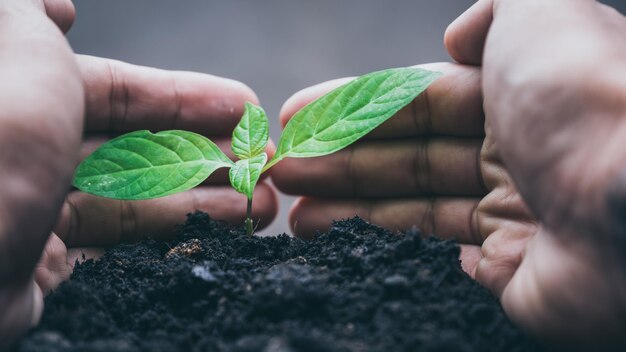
{"points": [[57, 263], [376, 169], [502, 253], [125, 97], [61, 12], [452, 105], [465, 37], [53, 267], [470, 256], [91, 221], [453, 218], [220, 176]]}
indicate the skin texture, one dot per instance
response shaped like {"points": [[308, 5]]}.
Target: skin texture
{"points": [[533, 188], [56, 108]]}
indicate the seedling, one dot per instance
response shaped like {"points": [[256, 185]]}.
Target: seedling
{"points": [[144, 165]]}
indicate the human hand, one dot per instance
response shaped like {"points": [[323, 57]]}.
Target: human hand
{"points": [[430, 166], [537, 272], [434, 165], [555, 95], [46, 95]]}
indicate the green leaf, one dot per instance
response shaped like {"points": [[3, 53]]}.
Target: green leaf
{"points": [[349, 112], [251, 134], [143, 165], [245, 174]]}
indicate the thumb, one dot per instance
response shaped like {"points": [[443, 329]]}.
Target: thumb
{"points": [[465, 37], [61, 12]]}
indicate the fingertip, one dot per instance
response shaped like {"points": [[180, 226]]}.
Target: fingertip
{"points": [[247, 94], [465, 37], [450, 41], [62, 13], [294, 103], [237, 95]]}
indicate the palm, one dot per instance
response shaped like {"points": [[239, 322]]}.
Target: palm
{"points": [[505, 226], [561, 279], [545, 281]]}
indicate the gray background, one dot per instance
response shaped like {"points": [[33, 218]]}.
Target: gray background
{"points": [[277, 47]]}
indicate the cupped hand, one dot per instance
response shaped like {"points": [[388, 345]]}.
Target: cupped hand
{"points": [[56, 108], [554, 83]]}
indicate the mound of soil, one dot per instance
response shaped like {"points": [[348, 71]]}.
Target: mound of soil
{"points": [[355, 288]]}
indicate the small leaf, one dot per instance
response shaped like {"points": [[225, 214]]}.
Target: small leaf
{"points": [[251, 134], [143, 165], [349, 112], [245, 174]]}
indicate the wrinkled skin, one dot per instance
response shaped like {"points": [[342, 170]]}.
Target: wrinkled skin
{"points": [[56, 107], [534, 188]]}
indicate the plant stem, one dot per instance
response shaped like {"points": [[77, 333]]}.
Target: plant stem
{"points": [[249, 227]]}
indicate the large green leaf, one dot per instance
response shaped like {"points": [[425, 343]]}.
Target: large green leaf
{"points": [[143, 165], [245, 174], [251, 134], [349, 112]]}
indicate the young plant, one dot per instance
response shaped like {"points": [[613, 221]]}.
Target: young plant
{"points": [[144, 165]]}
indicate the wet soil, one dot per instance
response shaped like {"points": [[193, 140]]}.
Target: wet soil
{"points": [[355, 288]]}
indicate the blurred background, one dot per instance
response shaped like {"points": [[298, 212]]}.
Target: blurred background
{"points": [[276, 47]]}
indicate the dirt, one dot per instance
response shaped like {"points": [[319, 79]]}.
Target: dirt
{"points": [[355, 288]]}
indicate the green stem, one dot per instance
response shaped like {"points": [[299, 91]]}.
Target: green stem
{"points": [[249, 225]]}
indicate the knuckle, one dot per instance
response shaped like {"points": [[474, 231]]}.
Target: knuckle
{"points": [[421, 168], [421, 109], [118, 95], [178, 101]]}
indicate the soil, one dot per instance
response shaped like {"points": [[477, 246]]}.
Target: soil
{"points": [[355, 288]]}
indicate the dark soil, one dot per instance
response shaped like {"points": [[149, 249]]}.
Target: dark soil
{"points": [[356, 288]]}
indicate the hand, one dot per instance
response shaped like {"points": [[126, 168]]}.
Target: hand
{"points": [[434, 165], [431, 166], [566, 290], [46, 95], [555, 94]]}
